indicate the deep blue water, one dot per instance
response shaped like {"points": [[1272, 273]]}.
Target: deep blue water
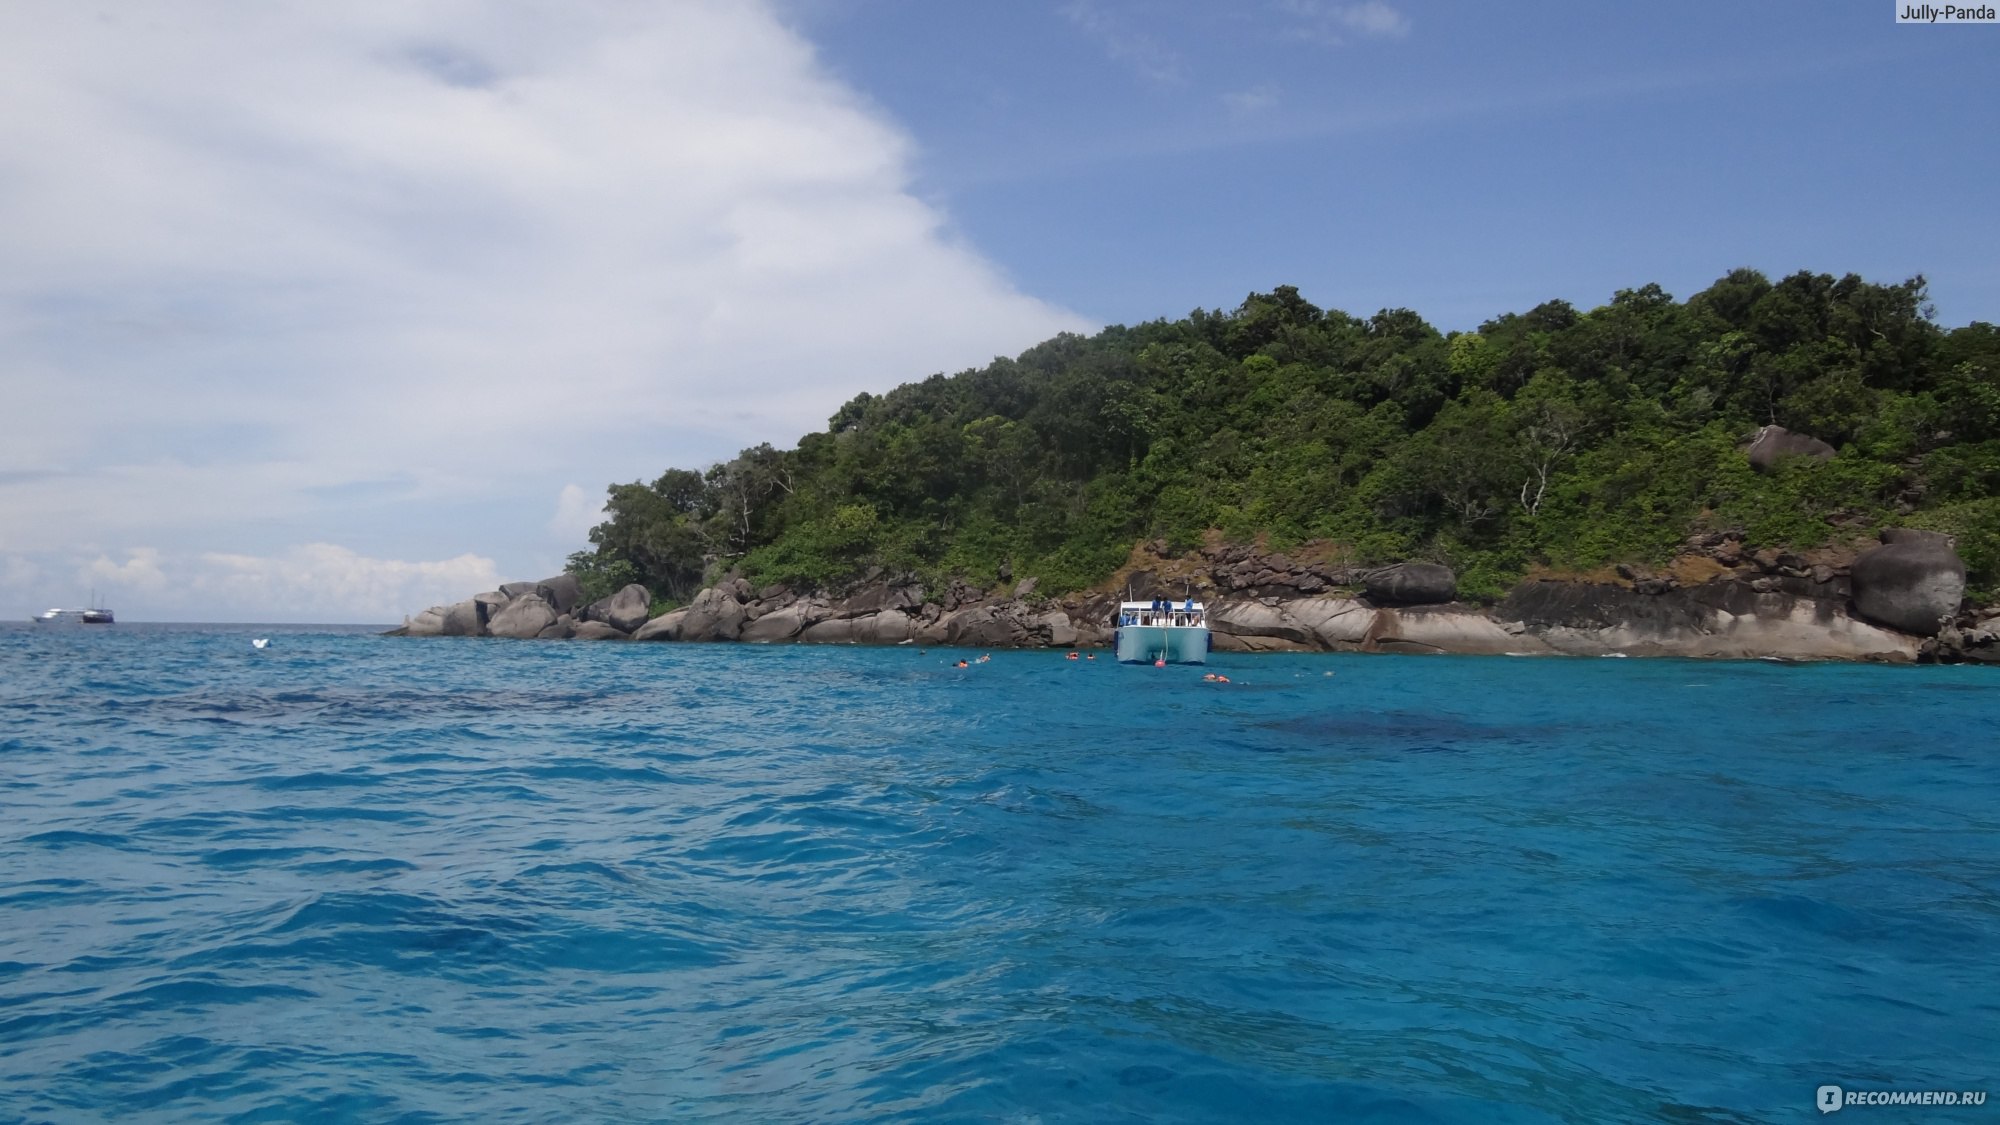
{"points": [[360, 878]]}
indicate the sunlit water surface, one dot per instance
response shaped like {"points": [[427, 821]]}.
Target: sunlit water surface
{"points": [[356, 878]]}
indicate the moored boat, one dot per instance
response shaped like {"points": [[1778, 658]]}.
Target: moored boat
{"points": [[1162, 630], [93, 616]]}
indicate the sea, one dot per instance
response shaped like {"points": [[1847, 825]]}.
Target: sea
{"points": [[347, 877]]}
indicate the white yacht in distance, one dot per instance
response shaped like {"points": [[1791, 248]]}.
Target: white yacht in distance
{"points": [[92, 616], [1162, 631]]}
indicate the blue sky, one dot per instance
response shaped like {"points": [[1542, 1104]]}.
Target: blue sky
{"points": [[330, 312], [1136, 159]]}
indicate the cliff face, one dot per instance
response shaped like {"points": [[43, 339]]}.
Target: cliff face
{"points": [[1716, 600]]}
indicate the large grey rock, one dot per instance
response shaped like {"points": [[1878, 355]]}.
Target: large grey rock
{"points": [[510, 590], [714, 615], [1334, 621], [982, 627], [1774, 443], [429, 623], [1910, 583], [1243, 618], [781, 624], [935, 631], [833, 631], [1412, 583], [890, 628], [563, 592], [523, 618], [1091, 634], [1321, 622], [624, 611], [599, 631], [665, 627], [463, 619], [1443, 630], [1224, 642], [876, 599], [1055, 625], [1939, 539]]}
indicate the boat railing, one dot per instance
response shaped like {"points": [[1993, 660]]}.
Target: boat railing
{"points": [[1177, 619]]}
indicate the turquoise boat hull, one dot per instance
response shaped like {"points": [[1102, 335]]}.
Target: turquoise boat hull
{"points": [[1144, 644]]}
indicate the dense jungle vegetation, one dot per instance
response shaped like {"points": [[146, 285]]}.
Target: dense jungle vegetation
{"points": [[1555, 436]]}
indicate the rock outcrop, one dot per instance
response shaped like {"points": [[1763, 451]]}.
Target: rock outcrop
{"points": [[1913, 582], [1412, 583], [624, 611], [1976, 641], [562, 592], [1718, 598], [541, 610], [429, 623], [523, 618], [666, 627], [1775, 443], [464, 619], [714, 615]]}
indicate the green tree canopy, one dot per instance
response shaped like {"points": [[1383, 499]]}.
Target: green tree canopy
{"points": [[1557, 436]]}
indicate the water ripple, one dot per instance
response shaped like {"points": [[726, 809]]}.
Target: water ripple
{"points": [[353, 878]]}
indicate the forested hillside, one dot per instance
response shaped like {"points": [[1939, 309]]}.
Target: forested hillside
{"points": [[1553, 437]]}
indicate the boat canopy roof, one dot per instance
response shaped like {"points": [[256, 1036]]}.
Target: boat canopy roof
{"points": [[1146, 606]]}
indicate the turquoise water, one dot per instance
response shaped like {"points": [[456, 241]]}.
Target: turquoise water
{"points": [[358, 878]]}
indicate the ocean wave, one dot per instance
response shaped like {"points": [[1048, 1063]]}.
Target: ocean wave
{"points": [[384, 879]]}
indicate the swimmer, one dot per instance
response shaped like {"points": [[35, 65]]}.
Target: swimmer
{"points": [[1090, 656], [1209, 678], [1072, 656], [963, 664], [985, 656]]}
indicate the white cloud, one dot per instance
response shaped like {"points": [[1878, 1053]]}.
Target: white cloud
{"points": [[1257, 99], [577, 511], [140, 571], [406, 263], [1373, 17], [322, 582], [1333, 23], [317, 582]]}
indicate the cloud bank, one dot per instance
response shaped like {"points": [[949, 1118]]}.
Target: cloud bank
{"points": [[402, 275], [318, 582]]}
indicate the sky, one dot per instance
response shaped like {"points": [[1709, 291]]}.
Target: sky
{"points": [[331, 312]]}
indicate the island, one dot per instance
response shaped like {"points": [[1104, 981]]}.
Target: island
{"points": [[1800, 469]]}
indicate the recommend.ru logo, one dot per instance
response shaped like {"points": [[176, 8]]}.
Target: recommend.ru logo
{"points": [[1833, 1099]]}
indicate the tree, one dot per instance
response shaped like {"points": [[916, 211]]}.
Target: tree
{"points": [[1548, 429], [1584, 436]]}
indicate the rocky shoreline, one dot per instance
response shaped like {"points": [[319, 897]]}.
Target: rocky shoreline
{"points": [[1900, 602]]}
